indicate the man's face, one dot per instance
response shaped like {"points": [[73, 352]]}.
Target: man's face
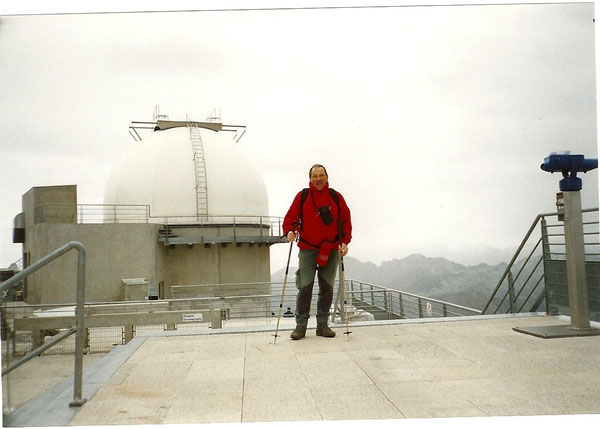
{"points": [[318, 178]]}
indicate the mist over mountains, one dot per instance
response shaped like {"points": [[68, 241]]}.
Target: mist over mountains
{"points": [[437, 278]]}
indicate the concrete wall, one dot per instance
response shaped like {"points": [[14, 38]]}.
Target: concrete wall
{"points": [[120, 251], [35, 202], [199, 264], [114, 252], [50, 204]]}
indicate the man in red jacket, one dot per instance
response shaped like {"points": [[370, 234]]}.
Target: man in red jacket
{"points": [[322, 214]]}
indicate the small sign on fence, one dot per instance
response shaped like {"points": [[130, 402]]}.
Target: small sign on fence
{"points": [[192, 317]]}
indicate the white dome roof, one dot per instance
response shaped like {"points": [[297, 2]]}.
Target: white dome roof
{"points": [[160, 171]]}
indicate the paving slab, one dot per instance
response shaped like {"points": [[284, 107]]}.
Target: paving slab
{"points": [[354, 402], [474, 367], [283, 400]]}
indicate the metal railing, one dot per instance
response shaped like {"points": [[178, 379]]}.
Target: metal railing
{"points": [[220, 229], [524, 284], [239, 305], [386, 303], [78, 329], [267, 228], [381, 302], [92, 213]]}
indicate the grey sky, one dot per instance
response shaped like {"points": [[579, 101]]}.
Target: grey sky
{"points": [[432, 121]]}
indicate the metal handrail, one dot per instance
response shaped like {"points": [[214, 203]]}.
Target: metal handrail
{"points": [[514, 258], [55, 340], [378, 289], [518, 252], [142, 212], [418, 297], [245, 228], [524, 283], [237, 303], [79, 339]]}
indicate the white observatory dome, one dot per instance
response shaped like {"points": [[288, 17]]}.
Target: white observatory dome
{"points": [[160, 171]]}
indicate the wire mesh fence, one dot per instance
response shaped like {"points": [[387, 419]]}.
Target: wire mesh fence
{"points": [[239, 305]]}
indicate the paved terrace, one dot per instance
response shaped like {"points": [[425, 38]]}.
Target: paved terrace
{"points": [[475, 367]]}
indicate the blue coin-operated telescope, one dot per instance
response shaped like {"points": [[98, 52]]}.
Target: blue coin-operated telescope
{"points": [[568, 210], [569, 165]]}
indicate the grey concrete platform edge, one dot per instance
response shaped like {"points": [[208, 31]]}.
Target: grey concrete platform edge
{"points": [[338, 325], [50, 408]]}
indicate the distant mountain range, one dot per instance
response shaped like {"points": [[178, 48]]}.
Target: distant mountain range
{"points": [[436, 278]]}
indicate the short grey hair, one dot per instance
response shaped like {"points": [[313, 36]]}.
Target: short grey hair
{"points": [[317, 165]]}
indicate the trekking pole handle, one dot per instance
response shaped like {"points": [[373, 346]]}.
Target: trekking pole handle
{"points": [[340, 234], [293, 231]]}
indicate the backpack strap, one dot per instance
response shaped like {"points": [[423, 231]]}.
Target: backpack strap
{"points": [[335, 197], [303, 196]]}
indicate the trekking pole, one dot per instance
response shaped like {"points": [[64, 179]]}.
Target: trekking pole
{"points": [[343, 283], [287, 267]]}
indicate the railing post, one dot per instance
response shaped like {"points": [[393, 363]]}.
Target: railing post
{"points": [[128, 333], [445, 310], [80, 334], [362, 295], [401, 303], [511, 292], [386, 303], [420, 308], [80, 339], [10, 335], [547, 257], [167, 232]]}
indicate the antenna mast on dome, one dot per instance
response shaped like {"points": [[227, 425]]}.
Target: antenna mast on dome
{"points": [[215, 115], [162, 122], [157, 116]]}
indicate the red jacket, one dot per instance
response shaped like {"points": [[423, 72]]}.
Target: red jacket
{"points": [[313, 230]]}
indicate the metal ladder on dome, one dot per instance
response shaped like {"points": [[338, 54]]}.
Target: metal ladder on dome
{"points": [[200, 170]]}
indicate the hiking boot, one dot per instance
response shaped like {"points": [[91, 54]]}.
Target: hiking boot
{"points": [[298, 333], [325, 331]]}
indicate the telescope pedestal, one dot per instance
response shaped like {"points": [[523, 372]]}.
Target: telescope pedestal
{"points": [[577, 284], [578, 299]]}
